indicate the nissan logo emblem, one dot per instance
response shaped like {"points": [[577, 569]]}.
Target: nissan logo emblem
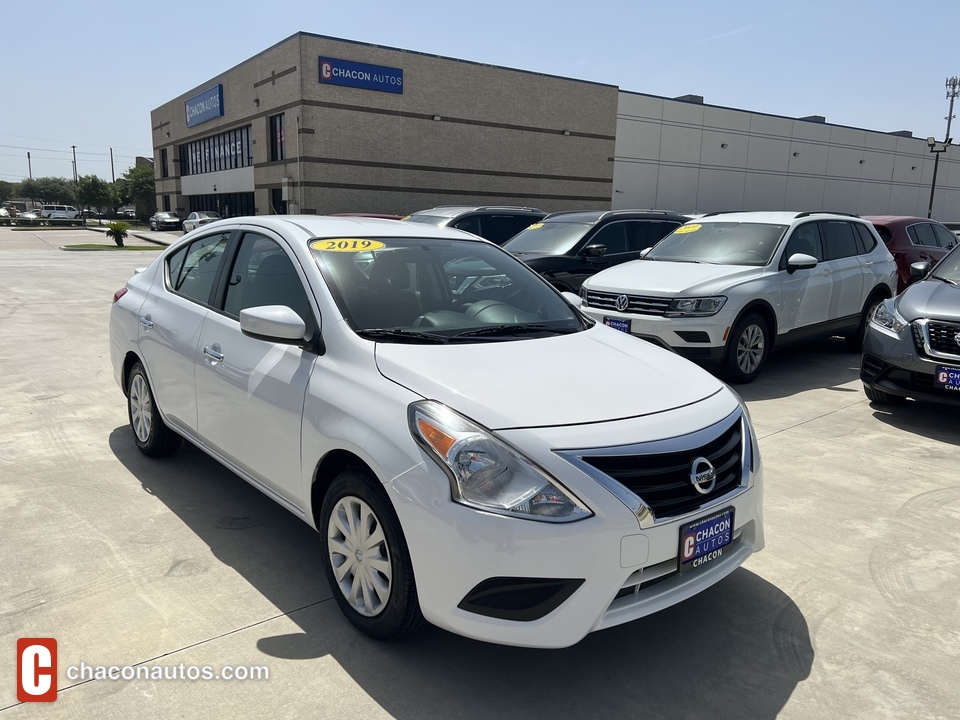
{"points": [[623, 302], [703, 477]]}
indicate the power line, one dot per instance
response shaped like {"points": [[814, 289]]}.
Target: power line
{"points": [[27, 137], [68, 152]]}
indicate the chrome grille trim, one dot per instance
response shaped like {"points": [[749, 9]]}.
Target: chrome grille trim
{"points": [[937, 337], [636, 304]]}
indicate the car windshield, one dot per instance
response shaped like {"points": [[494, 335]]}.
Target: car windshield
{"points": [[439, 291], [949, 267], [428, 219], [720, 243], [548, 238]]}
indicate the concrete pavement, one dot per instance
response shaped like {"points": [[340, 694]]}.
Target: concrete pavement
{"points": [[852, 610]]}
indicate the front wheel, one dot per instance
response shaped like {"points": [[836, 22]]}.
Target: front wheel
{"points": [[151, 434], [366, 560], [747, 349], [882, 398], [855, 340]]}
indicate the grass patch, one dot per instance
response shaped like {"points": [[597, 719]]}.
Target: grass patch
{"points": [[96, 246]]}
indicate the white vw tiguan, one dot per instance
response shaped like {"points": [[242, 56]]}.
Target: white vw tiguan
{"points": [[726, 288]]}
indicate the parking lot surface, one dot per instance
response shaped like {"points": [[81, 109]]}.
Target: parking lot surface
{"points": [[852, 610]]}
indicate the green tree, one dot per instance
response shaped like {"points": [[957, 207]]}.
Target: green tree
{"points": [[117, 231], [93, 191], [49, 190], [137, 184], [8, 190]]}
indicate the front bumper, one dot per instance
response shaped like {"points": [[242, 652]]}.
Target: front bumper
{"points": [[894, 365], [616, 566], [699, 339]]}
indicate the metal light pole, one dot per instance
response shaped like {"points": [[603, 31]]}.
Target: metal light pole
{"points": [[74, 147], [953, 90], [29, 165]]}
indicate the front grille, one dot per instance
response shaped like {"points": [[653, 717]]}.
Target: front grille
{"points": [[637, 304], [662, 480], [943, 337]]}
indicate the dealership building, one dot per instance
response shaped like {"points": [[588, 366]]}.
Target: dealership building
{"points": [[317, 124]]}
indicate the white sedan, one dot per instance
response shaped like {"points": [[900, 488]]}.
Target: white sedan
{"points": [[474, 451], [196, 219]]}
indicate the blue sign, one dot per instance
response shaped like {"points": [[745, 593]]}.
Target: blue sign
{"points": [[205, 106], [361, 75]]}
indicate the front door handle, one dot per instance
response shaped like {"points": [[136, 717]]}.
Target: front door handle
{"points": [[146, 322], [213, 352]]}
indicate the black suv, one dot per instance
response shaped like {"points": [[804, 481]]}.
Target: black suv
{"points": [[496, 223], [568, 247]]}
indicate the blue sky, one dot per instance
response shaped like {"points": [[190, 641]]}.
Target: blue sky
{"points": [[88, 74]]}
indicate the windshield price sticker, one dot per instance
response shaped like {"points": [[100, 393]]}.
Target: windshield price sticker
{"points": [[703, 541], [684, 229], [347, 245], [535, 226]]}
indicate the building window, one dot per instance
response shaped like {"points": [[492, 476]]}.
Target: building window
{"points": [[166, 203], [226, 151], [277, 140], [164, 172]]}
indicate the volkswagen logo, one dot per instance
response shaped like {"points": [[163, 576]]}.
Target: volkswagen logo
{"points": [[623, 302], [702, 475]]}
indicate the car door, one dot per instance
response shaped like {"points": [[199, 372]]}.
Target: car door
{"points": [[841, 259], [171, 318], [805, 292], [619, 241], [250, 392]]}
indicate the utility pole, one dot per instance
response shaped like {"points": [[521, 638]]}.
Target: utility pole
{"points": [[74, 148], [113, 176], [953, 90], [29, 166]]}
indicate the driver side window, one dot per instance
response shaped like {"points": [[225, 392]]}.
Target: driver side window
{"points": [[614, 236], [806, 240]]}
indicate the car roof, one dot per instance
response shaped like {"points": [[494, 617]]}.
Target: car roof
{"points": [[888, 219], [454, 210], [776, 217], [328, 226], [593, 216]]}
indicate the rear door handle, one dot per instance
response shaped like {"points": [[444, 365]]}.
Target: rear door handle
{"points": [[213, 352], [146, 322]]}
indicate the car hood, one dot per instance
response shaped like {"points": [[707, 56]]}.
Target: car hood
{"points": [[930, 298], [587, 377], [664, 278]]}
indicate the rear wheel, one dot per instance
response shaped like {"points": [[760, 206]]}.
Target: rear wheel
{"points": [[151, 434], [366, 560], [882, 398], [747, 349]]}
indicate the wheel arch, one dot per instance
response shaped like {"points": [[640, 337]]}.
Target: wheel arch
{"points": [[765, 310], [129, 361], [326, 471]]}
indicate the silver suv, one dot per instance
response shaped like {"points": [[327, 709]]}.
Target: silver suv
{"points": [[726, 288], [496, 223]]}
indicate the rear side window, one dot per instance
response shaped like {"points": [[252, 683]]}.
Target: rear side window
{"points": [[838, 239], [192, 270], [922, 234], [945, 238], [867, 241]]}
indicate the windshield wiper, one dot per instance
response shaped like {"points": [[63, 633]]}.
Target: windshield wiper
{"points": [[407, 335], [507, 330], [946, 280]]}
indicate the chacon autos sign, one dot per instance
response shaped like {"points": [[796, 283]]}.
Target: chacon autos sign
{"points": [[204, 106], [361, 75]]}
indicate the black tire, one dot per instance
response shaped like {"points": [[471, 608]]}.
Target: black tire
{"points": [[855, 340], [882, 398], [151, 434], [398, 615], [747, 349]]}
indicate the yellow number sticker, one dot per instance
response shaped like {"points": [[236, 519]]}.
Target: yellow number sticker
{"points": [[535, 226], [686, 229], [348, 245]]}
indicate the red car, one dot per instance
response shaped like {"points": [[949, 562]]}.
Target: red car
{"points": [[912, 239]]}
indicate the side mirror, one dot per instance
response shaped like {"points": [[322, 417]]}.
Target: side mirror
{"points": [[920, 270], [800, 261], [643, 253], [574, 300], [273, 323], [597, 250]]}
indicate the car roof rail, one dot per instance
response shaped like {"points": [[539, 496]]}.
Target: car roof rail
{"points": [[508, 207], [808, 213], [649, 211], [721, 212]]}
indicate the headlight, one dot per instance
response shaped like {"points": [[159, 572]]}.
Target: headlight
{"points": [[695, 306], [486, 473], [583, 293], [886, 318]]}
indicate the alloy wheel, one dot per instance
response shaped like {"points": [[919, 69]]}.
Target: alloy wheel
{"points": [[750, 349]]}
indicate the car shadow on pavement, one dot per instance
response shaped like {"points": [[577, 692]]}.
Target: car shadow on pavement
{"points": [[737, 650], [826, 364], [929, 420]]}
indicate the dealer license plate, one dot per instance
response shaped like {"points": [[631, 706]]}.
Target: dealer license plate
{"points": [[947, 378], [617, 324], [703, 541]]}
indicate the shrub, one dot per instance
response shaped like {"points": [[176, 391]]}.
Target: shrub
{"points": [[117, 231]]}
